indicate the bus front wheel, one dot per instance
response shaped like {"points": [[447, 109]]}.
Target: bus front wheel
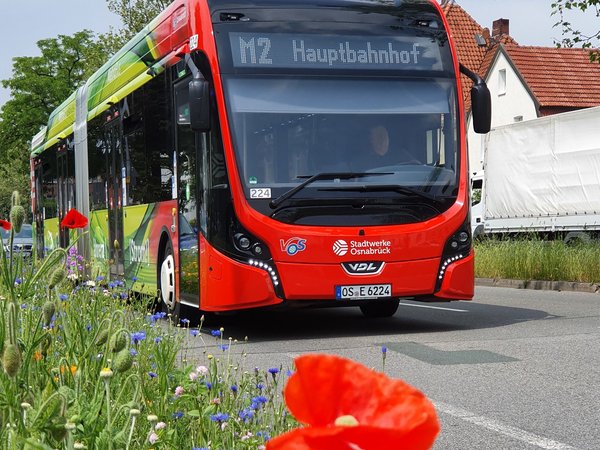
{"points": [[380, 308], [166, 284]]}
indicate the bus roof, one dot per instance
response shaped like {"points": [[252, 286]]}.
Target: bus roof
{"points": [[149, 52], [218, 4], [137, 62]]}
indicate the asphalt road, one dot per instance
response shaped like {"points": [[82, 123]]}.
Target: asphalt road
{"points": [[513, 369]]}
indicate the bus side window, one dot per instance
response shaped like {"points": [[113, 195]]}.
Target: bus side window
{"points": [[97, 164], [135, 148], [159, 154]]}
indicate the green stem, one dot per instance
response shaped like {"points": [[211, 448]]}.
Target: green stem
{"points": [[108, 421], [130, 432]]}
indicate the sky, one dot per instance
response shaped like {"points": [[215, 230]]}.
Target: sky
{"points": [[530, 21], [24, 22]]}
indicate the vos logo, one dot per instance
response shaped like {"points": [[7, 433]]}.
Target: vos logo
{"points": [[293, 245], [363, 268]]}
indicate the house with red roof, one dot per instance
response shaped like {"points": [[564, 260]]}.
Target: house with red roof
{"points": [[525, 82]]}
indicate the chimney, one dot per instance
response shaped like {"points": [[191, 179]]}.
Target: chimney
{"points": [[500, 28]]}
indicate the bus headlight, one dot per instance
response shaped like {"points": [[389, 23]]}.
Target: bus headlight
{"points": [[457, 247]]}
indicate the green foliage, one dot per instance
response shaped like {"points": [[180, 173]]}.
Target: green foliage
{"points": [[571, 36], [63, 386], [37, 86], [535, 259]]}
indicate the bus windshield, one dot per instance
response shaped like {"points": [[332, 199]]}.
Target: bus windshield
{"points": [[286, 129], [344, 101]]}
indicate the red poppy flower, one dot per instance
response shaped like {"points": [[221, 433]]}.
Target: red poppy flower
{"points": [[74, 219], [5, 224], [348, 406]]}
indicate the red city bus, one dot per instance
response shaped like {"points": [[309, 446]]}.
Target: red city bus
{"points": [[240, 155]]}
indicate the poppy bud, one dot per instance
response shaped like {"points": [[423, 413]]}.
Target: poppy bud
{"points": [[48, 310], [57, 276], [11, 359], [15, 198], [118, 341], [102, 337], [17, 217], [123, 361]]}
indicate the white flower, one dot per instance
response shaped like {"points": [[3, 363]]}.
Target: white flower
{"points": [[153, 438]]}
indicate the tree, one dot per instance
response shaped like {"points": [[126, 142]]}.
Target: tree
{"points": [[38, 85], [573, 37], [134, 15]]}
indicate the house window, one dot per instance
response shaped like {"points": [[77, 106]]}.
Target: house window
{"points": [[502, 82]]}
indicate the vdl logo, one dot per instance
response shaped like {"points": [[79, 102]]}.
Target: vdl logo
{"points": [[293, 245], [340, 247]]}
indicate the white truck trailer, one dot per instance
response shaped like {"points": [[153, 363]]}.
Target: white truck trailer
{"points": [[541, 176]]}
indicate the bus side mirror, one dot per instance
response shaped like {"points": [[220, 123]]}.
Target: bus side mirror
{"points": [[481, 104], [199, 105]]}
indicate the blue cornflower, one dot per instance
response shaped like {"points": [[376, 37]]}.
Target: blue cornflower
{"points": [[133, 352], [177, 415], [138, 336], [63, 297], [224, 347], [289, 373], [123, 295], [260, 386], [99, 278], [208, 385], [219, 417], [23, 305], [216, 333], [157, 316], [134, 279], [194, 332], [234, 388], [274, 370], [152, 375], [257, 401], [88, 327], [384, 349], [157, 339], [18, 281], [185, 321], [246, 414], [264, 435]]}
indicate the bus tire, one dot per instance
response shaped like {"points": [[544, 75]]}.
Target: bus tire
{"points": [[166, 283], [380, 308]]}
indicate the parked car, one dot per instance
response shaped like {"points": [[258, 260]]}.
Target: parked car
{"points": [[22, 242]]}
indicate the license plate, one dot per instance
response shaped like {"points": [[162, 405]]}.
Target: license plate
{"points": [[361, 291]]}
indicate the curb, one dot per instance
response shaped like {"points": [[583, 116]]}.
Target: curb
{"points": [[572, 286]]}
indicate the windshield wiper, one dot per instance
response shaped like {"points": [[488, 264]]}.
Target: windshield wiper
{"points": [[318, 177], [387, 188]]}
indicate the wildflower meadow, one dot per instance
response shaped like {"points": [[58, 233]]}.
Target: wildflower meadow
{"points": [[86, 364]]}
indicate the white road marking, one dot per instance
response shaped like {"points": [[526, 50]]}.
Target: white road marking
{"points": [[502, 428], [433, 307]]}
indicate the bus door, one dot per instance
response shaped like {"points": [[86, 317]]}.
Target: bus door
{"points": [[188, 194], [114, 183], [66, 186]]}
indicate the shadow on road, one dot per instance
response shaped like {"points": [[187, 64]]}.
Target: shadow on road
{"points": [[411, 317]]}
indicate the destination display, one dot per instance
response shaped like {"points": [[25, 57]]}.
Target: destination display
{"points": [[281, 50]]}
